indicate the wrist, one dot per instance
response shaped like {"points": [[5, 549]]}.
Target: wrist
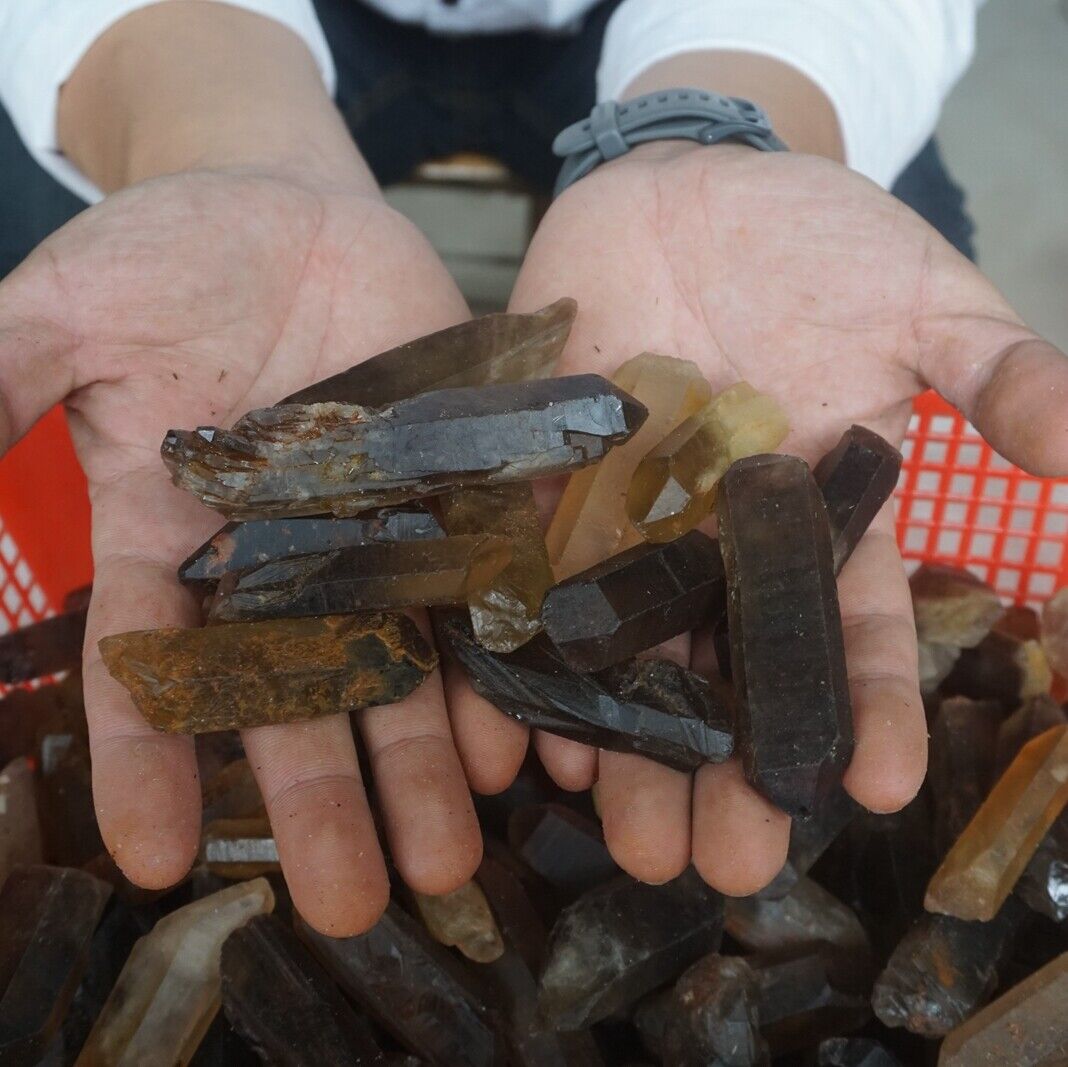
{"points": [[186, 86]]}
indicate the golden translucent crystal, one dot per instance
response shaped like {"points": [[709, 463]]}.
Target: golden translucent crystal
{"points": [[590, 523], [462, 919], [674, 487], [984, 864]]}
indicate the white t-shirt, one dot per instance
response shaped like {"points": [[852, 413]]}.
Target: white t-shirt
{"points": [[886, 65]]}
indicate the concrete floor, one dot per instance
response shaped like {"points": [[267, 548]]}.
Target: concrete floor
{"points": [[1004, 134]]}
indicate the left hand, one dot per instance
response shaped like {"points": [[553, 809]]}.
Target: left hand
{"points": [[817, 287]]}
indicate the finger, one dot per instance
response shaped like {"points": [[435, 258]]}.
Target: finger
{"points": [[419, 782], [739, 838], [146, 790], [491, 746], [890, 755], [645, 806], [310, 781], [571, 765], [1009, 382]]}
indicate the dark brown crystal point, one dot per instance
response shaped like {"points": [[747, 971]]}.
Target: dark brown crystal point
{"points": [[342, 458], [621, 941], [535, 686], [47, 919], [787, 653], [284, 1004], [856, 478], [635, 601], [855, 1052], [493, 348], [562, 846], [257, 673], [362, 578], [242, 546], [414, 988], [42, 648]]}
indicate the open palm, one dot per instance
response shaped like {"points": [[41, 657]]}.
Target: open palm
{"points": [[817, 287], [189, 300]]}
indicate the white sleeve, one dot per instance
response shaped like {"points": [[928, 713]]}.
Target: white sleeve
{"points": [[886, 65], [42, 41]]}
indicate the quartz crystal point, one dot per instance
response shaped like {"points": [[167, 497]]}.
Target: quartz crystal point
{"points": [[982, 867], [68, 822], [462, 919], [590, 522], [20, 832], [493, 348], [1025, 1027], [621, 941], [961, 764], [674, 487], [635, 600], [296, 460], [801, 1002], [284, 1004], [856, 478], [47, 919], [952, 607], [243, 546], [1043, 886], [562, 846], [506, 612], [1055, 631], [240, 848], [855, 1052], [712, 1016], [535, 686], [283, 670], [810, 838], [787, 653], [806, 917], [363, 578], [169, 990], [414, 988], [943, 970], [42, 648]]}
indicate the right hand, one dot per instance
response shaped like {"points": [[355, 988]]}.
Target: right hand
{"points": [[189, 300]]}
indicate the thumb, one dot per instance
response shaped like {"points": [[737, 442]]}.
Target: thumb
{"points": [[1009, 382]]}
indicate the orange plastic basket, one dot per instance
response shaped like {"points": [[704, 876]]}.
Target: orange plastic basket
{"points": [[958, 502]]}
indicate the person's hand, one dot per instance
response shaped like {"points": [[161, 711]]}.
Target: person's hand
{"points": [[189, 300], [817, 287]]}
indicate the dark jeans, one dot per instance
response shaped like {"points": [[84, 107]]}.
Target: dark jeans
{"points": [[408, 95]]}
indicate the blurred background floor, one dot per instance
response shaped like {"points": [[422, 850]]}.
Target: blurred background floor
{"points": [[1004, 134]]}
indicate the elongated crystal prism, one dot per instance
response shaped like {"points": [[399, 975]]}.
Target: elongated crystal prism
{"points": [[535, 686], [989, 856], [363, 578], [562, 846], [415, 988], [283, 670], [634, 601], [493, 348], [240, 848], [41, 648], [787, 652], [20, 831], [622, 940], [170, 989], [242, 546], [674, 487], [297, 459], [590, 522], [47, 919], [856, 478], [285, 1005]]}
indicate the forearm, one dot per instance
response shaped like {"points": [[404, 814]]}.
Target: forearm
{"points": [[800, 112], [189, 85]]}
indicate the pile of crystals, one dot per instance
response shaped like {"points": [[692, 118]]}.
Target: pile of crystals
{"points": [[406, 481]]}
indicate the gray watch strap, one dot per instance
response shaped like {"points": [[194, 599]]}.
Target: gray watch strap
{"points": [[677, 114]]}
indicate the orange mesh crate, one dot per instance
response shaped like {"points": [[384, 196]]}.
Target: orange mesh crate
{"points": [[958, 502]]}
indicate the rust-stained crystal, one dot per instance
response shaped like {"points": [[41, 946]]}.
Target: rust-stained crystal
{"points": [[257, 673]]}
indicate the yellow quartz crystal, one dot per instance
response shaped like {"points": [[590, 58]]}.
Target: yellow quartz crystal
{"points": [[982, 867], [674, 487], [590, 523]]}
